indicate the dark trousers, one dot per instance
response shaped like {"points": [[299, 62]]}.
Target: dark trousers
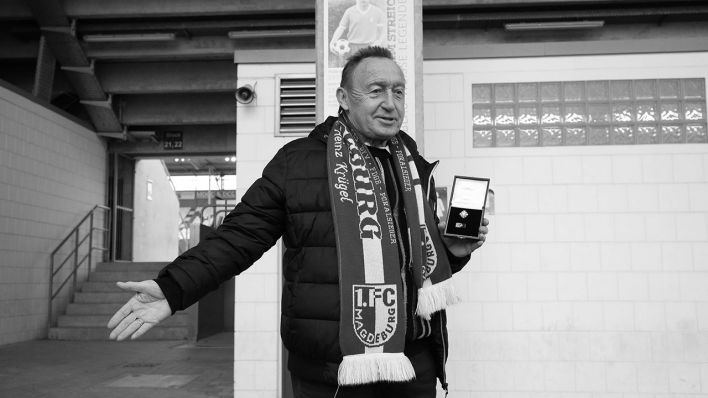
{"points": [[424, 385]]}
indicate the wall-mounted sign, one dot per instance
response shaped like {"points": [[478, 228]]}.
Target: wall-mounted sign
{"points": [[172, 140], [219, 195]]}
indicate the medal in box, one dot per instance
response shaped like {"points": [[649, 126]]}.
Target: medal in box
{"points": [[467, 205]]}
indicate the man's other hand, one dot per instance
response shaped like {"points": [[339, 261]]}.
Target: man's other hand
{"points": [[462, 247], [145, 309]]}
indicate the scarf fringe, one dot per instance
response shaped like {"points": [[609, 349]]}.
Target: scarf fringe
{"points": [[371, 368], [435, 297]]}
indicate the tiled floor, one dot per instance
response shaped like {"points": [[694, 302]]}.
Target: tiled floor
{"points": [[155, 369]]}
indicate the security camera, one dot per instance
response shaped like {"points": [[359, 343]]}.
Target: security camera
{"points": [[245, 94]]}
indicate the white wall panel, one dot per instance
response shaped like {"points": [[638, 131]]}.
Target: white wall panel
{"points": [[598, 254]]}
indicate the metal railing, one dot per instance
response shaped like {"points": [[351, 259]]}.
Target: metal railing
{"points": [[78, 248]]}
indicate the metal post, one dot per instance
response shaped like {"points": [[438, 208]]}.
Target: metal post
{"points": [[114, 209], [107, 235], [51, 288], [90, 242], [76, 255], [209, 188]]}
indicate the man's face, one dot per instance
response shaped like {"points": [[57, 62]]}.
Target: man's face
{"points": [[375, 98], [362, 3]]}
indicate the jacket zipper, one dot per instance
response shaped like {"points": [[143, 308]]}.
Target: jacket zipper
{"points": [[444, 352], [440, 316]]}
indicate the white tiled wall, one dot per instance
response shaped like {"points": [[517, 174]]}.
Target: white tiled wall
{"points": [[257, 352], [52, 172], [594, 280]]}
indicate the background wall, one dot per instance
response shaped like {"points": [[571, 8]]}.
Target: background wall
{"points": [[52, 172], [594, 280], [257, 346], [155, 220]]}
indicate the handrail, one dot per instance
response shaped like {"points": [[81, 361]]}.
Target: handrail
{"points": [[78, 245]]}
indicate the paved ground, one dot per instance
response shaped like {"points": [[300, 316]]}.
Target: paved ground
{"points": [[154, 369]]}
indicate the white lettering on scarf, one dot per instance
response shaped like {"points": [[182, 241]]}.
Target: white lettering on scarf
{"points": [[375, 313], [369, 227]]}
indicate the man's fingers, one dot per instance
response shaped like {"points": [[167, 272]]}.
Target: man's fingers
{"points": [[141, 330], [123, 312], [130, 329], [122, 325]]}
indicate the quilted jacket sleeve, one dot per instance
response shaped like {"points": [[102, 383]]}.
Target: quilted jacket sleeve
{"points": [[248, 231]]}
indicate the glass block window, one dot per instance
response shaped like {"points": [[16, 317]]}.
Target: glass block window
{"points": [[597, 112]]}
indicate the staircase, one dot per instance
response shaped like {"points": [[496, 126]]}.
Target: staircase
{"points": [[99, 298]]}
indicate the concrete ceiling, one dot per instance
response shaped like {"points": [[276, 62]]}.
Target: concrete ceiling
{"points": [[128, 90]]}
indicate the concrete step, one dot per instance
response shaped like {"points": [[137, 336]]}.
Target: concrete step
{"points": [[129, 266], [102, 333], [99, 298], [102, 297], [92, 309], [122, 276], [97, 321]]}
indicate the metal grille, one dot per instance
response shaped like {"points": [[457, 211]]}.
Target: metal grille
{"points": [[598, 112], [295, 115]]}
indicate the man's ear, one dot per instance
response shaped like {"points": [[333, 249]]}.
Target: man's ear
{"points": [[343, 98]]}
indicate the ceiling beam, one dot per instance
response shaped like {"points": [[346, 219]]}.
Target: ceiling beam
{"points": [[195, 26], [196, 48], [60, 37], [15, 10], [512, 3], [300, 55], [181, 8], [92, 9], [569, 14], [183, 77], [13, 49], [197, 140], [175, 109]]}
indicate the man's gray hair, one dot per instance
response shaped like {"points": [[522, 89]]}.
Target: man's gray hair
{"points": [[357, 57]]}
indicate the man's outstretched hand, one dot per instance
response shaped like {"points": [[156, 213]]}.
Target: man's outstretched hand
{"points": [[145, 309], [463, 247]]}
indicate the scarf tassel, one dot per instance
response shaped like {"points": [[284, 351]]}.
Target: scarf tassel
{"points": [[435, 297], [371, 368]]}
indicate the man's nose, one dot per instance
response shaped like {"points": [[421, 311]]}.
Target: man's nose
{"points": [[388, 101]]}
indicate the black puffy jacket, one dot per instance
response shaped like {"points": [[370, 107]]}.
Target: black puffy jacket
{"points": [[291, 200]]}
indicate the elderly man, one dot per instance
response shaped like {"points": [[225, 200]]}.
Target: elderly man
{"points": [[366, 270]]}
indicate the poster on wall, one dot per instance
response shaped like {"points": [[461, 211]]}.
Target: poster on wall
{"points": [[350, 25]]}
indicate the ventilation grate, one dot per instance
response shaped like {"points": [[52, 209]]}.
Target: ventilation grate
{"points": [[295, 115]]}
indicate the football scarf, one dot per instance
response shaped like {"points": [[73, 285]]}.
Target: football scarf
{"points": [[372, 296]]}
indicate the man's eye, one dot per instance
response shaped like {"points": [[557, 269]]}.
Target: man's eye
{"points": [[376, 91]]}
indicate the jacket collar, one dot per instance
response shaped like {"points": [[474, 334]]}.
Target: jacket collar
{"points": [[321, 131]]}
